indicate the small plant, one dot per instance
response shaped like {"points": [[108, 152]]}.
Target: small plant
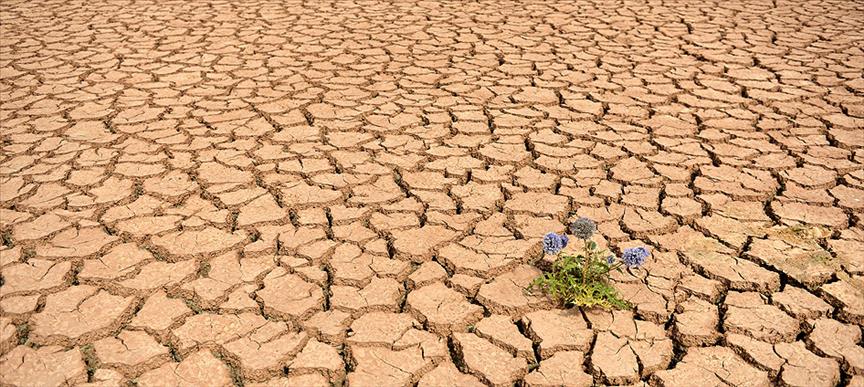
{"points": [[583, 279]]}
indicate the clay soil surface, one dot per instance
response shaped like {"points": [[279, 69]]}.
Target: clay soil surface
{"points": [[285, 193]]}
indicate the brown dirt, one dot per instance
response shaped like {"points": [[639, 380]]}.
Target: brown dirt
{"points": [[310, 193]]}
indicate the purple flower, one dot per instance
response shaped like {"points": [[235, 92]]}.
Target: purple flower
{"points": [[610, 259], [634, 256], [553, 243], [583, 228]]}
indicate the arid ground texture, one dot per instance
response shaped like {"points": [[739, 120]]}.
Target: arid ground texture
{"points": [[286, 193]]}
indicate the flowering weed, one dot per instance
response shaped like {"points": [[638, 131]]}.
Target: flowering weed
{"points": [[583, 279]]}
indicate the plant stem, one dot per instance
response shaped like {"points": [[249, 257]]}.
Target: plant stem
{"points": [[585, 262]]}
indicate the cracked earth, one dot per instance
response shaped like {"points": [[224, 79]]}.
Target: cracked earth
{"points": [[283, 193]]}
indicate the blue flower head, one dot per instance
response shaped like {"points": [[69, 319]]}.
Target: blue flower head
{"points": [[553, 243], [610, 259], [634, 256]]}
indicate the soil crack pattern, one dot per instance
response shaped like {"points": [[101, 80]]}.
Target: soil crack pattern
{"points": [[354, 192]]}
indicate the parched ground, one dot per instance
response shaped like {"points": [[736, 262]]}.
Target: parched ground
{"points": [[310, 193]]}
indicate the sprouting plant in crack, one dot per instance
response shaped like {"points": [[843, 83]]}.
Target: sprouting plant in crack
{"points": [[23, 332], [194, 306], [582, 279], [6, 239], [27, 254], [90, 360]]}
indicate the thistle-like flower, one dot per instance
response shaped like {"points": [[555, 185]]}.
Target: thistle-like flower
{"points": [[634, 256], [553, 243], [583, 228], [610, 259]]}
